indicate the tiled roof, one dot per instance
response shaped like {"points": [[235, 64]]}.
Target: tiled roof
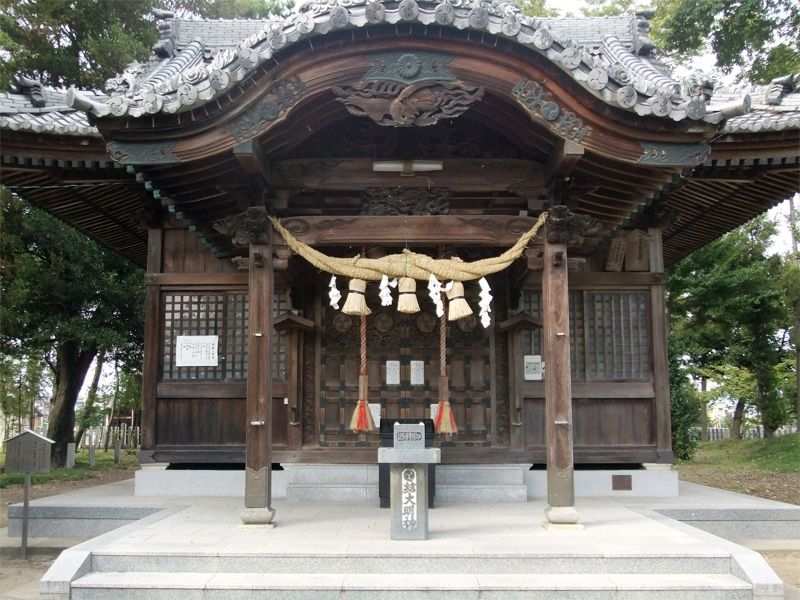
{"points": [[774, 107], [196, 61], [18, 112], [201, 60]]}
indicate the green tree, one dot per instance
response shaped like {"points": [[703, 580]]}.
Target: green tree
{"points": [[81, 42], [537, 8], [684, 405], [760, 38], [66, 299], [232, 9], [612, 8], [23, 388], [728, 309]]}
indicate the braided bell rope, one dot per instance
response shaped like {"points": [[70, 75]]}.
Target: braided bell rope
{"points": [[407, 263]]}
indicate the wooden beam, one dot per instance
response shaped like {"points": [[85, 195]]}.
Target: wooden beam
{"points": [[252, 159], [474, 175], [565, 156], [412, 230]]}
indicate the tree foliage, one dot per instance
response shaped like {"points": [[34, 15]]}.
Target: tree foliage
{"points": [[64, 300], [760, 38], [685, 406], [728, 310], [232, 9], [81, 42]]}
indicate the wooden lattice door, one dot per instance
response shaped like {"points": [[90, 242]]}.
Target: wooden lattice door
{"points": [[403, 372]]}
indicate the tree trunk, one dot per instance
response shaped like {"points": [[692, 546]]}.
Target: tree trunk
{"points": [[91, 397], [704, 409], [113, 408], [796, 333], [72, 364], [736, 423]]}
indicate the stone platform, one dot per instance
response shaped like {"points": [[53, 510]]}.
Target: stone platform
{"points": [[198, 548]]}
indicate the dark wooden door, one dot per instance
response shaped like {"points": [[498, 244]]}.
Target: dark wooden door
{"points": [[403, 371]]}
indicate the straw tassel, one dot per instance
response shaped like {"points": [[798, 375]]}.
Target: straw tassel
{"points": [[458, 307], [356, 303], [445, 421], [407, 298], [362, 417]]}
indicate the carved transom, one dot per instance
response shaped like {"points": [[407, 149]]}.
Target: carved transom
{"points": [[419, 104], [406, 201]]}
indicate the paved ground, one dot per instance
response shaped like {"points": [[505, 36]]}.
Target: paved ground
{"points": [[366, 529]]}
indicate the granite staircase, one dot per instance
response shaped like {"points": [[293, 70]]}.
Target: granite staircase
{"points": [[187, 576]]}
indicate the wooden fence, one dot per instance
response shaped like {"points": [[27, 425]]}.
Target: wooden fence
{"points": [[723, 433], [95, 436]]}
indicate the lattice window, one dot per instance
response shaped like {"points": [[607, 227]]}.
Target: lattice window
{"points": [[532, 340], [617, 336], [191, 315], [224, 314], [608, 334]]}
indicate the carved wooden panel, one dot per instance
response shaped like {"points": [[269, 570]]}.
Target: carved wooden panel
{"points": [[412, 341]]}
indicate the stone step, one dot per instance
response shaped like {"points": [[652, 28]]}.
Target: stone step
{"points": [[359, 483], [390, 586], [470, 564]]}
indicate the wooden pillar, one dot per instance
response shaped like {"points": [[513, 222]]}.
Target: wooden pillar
{"points": [[558, 387], [258, 462], [253, 229], [563, 229], [660, 358], [152, 317]]}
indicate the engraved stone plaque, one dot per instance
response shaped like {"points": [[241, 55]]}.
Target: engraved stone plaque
{"points": [[409, 436]]}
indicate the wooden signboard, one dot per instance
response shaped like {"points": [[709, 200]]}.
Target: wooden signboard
{"points": [[637, 256], [28, 452], [616, 254]]}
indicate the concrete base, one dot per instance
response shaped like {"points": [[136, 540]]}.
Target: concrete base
{"points": [[653, 481], [454, 483], [225, 484], [258, 516]]}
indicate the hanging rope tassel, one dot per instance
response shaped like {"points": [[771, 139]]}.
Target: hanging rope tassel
{"points": [[445, 421], [356, 303], [362, 417], [407, 298]]}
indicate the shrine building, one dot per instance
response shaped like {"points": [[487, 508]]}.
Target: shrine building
{"points": [[537, 174]]}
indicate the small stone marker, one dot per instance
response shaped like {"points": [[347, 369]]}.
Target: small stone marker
{"points": [[408, 484], [71, 456], [27, 453], [117, 451], [91, 454]]}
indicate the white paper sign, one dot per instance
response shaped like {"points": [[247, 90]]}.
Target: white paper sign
{"points": [[417, 372], [392, 372], [434, 410], [533, 367], [375, 411], [196, 351]]}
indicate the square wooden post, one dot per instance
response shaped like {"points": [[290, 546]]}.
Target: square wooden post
{"points": [[258, 462], [253, 229], [558, 388]]}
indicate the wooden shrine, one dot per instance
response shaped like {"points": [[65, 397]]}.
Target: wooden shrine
{"points": [[370, 128]]}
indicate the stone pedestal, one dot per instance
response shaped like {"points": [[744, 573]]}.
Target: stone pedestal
{"points": [[408, 483]]}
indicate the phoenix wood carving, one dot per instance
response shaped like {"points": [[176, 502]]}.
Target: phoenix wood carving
{"points": [[397, 105]]}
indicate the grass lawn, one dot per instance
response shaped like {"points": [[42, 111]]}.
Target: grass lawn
{"points": [[104, 461], [768, 468]]}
